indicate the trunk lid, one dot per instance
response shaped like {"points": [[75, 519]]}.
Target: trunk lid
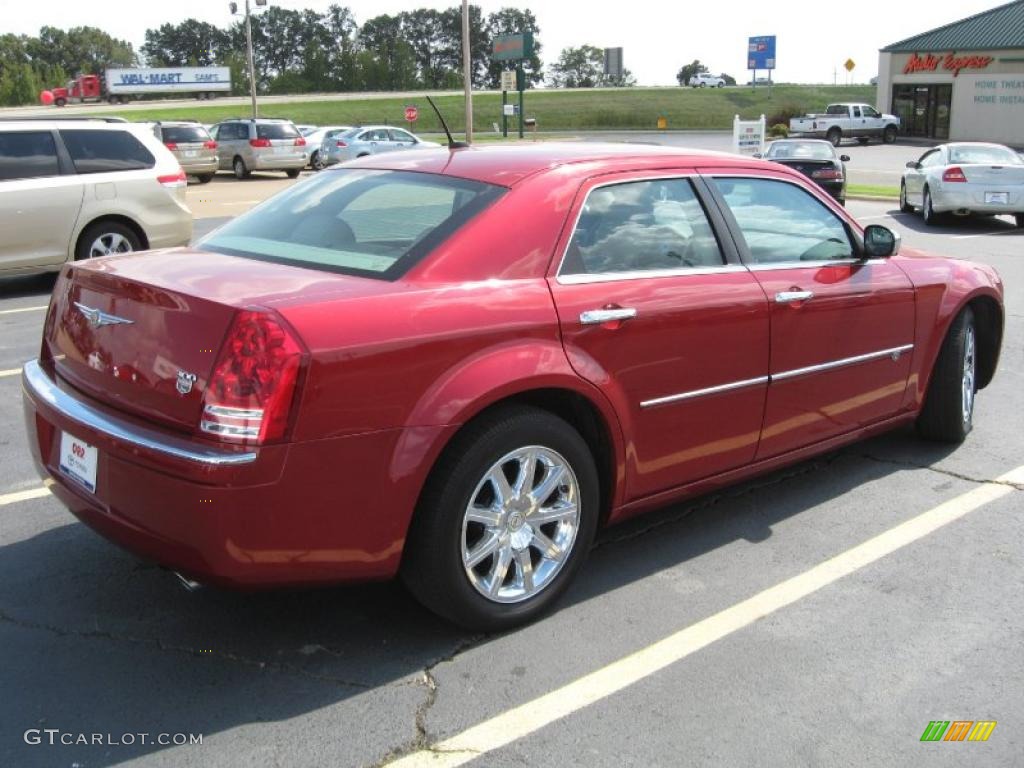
{"points": [[998, 177], [142, 332]]}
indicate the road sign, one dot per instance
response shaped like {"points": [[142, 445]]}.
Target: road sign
{"points": [[411, 113], [513, 47], [508, 80], [849, 65], [761, 52], [509, 110], [748, 136], [613, 62]]}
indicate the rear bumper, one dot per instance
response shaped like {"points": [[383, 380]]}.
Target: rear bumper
{"points": [[200, 166], [945, 199], [278, 162], [301, 513]]}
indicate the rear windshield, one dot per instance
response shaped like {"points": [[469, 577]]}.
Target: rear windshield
{"points": [[184, 134], [362, 222], [801, 150], [276, 131], [984, 155]]}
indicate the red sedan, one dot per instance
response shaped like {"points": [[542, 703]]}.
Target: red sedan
{"points": [[456, 365]]}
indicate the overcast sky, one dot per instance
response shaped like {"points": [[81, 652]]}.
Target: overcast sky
{"points": [[658, 36]]}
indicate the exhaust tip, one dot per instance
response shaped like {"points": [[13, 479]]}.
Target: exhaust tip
{"points": [[189, 584]]}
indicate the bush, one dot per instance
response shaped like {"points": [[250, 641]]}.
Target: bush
{"points": [[786, 113], [779, 131]]}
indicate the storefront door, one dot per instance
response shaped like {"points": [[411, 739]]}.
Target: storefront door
{"points": [[923, 109]]}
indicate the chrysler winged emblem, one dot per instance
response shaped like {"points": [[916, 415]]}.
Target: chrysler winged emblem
{"points": [[185, 382], [97, 318]]}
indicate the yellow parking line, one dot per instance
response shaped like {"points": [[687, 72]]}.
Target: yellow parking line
{"points": [[32, 493], [10, 372], [514, 724], [21, 309]]}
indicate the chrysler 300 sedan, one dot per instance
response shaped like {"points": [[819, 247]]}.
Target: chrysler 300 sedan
{"points": [[456, 365]]}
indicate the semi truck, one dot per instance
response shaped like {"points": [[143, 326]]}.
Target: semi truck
{"points": [[119, 85]]}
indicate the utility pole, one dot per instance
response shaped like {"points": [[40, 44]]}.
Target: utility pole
{"points": [[248, 49], [467, 71]]}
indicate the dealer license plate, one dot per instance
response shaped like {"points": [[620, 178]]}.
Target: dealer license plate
{"points": [[997, 198], [78, 460]]}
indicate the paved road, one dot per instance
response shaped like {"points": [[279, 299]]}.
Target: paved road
{"points": [[96, 642]]}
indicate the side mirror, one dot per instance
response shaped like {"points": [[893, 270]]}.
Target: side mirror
{"points": [[914, 165], [844, 158], [880, 242]]}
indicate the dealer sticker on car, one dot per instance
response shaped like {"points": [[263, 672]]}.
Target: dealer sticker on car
{"points": [[78, 460]]}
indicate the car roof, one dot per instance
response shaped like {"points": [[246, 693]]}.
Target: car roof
{"points": [[509, 165]]}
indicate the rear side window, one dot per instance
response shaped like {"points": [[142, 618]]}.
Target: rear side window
{"points": [[275, 131], [106, 151], [184, 134], [782, 223], [641, 226], [27, 155], [361, 222]]}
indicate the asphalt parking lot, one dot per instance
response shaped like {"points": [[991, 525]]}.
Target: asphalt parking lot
{"points": [[740, 646]]}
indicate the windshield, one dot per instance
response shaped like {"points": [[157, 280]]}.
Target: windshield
{"points": [[802, 150], [984, 155], [276, 131], [184, 134], [369, 223]]}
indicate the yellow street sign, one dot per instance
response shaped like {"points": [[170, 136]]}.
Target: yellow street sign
{"points": [[849, 65]]}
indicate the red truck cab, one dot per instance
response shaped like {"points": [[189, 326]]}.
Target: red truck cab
{"points": [[82, 88]]}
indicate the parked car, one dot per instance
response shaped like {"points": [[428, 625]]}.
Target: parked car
{"points": [[368, 140], [191, 145], [305, 130], [818, 160], [250, 144], [316, 138], [397, 386], [74, 189], [847, 121], [965, 178], [706, 79]]}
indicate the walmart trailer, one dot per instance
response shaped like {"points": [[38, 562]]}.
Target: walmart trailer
{"points": [[201, 82]]}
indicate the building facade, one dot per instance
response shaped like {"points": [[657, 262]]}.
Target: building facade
{"points": [[960, 82]]}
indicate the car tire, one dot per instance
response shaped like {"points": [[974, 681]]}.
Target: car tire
{"points": [[444, 536], [315, 162], [905, 207], [105, 238], [1019, 218], [834, 136], [720, 85], [889, 134], [238, 166], [948, 412], [204, 178], [703, 85], [927, 211], [293, 173]]}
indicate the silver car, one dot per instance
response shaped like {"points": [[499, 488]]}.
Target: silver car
{"points": [[191, 145], [259, 144], [314, 140], [965, 178], [368, 140]]}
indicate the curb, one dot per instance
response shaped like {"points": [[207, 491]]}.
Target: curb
{"points": [[874, 198]]}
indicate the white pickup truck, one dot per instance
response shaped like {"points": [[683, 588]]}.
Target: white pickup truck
{"points": [[847, 121]]}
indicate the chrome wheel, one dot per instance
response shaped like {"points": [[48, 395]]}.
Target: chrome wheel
{"points": [[108, 243], [521, 524], [968, 380]]}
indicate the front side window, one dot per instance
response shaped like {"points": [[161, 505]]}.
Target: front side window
{"points": [[95, 151], [368, 223], [641, 226], [782, 223], [871, 112], [27, 155]]}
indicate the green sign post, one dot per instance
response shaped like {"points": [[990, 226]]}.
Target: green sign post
{"points": [[513, 48]]}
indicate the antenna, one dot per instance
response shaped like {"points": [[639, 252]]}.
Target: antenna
{"points": [[452, 143]]}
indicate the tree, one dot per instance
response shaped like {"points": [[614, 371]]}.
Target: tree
{"points": [[191, 43], [80, 50], [689, 70], [509, 21], [729, 79], [581, 67], [19, 84]]}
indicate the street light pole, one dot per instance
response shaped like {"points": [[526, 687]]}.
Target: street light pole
{"points": [[467, 71], [252, 66]]}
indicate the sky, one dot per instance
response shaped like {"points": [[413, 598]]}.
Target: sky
{"points": [[658, 37]]}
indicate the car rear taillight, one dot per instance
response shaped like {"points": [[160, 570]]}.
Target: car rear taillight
{"points": [[170, 145], [340, 143], [954, 174], [211, 144], [250, 393], [829, 174], [300, 142], [172, 181], [259, 142]]}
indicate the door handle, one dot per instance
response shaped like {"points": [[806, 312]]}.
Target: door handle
{"points": [[601, 316], [788, 297]]}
